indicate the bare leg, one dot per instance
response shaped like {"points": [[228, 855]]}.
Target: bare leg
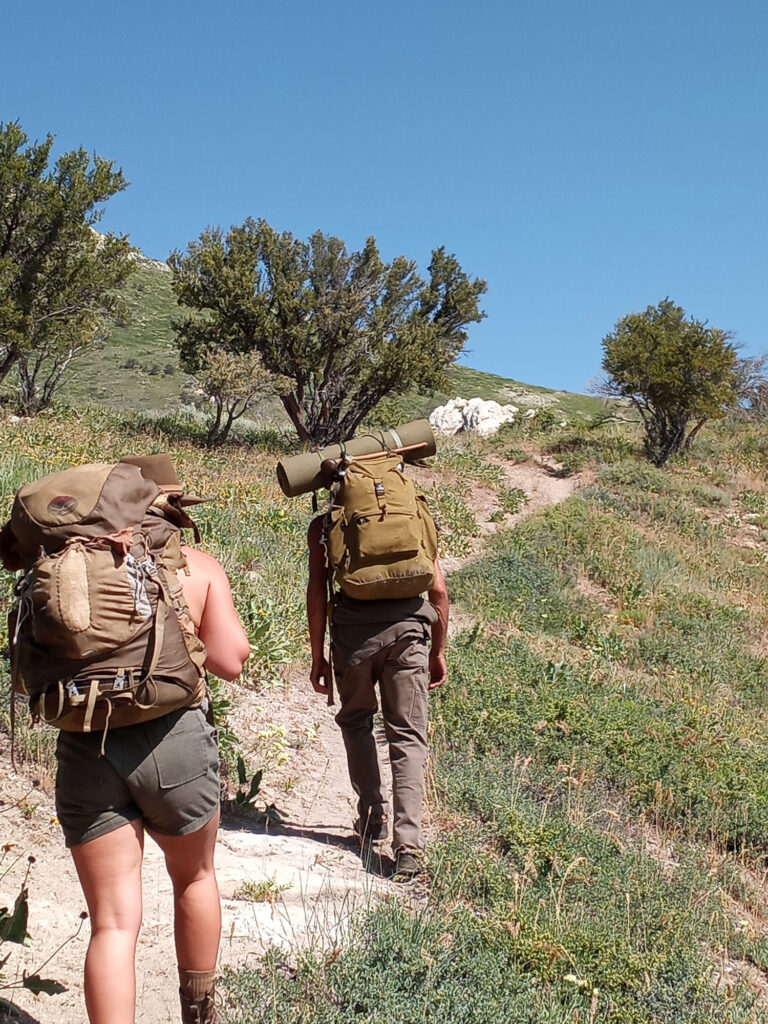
{"points": [[109, 869], [196, 905]]}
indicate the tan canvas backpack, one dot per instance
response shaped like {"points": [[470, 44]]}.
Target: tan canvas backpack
{"points": [[100, 636], [380, 537]]}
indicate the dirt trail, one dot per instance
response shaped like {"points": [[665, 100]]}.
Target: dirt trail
{"points": [[543, 486], [310, 865]]}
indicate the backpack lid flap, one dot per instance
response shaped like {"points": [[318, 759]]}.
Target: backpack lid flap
{"points": [[88, 501]]}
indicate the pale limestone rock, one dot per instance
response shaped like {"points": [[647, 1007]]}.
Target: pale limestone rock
{"points": [[449, 419], [475, 414]]}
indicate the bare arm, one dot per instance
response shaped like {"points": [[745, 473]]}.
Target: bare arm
{"points": [[438, 598], [209, 597], [317, 607]]}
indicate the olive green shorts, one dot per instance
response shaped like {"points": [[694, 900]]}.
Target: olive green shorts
{"points": [[165, 772]]}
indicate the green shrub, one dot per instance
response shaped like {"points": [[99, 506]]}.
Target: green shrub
{"points": [[464, 461], [512, 499], [510, 586], [456, 522], [576, 449], [599, 934], [680, 761], [754, 501]]}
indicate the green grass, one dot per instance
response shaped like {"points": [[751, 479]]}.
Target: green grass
{"points": [[694, 767], [599, 778], [138, 365], [530, 920], [455, 520], [658, 689]]}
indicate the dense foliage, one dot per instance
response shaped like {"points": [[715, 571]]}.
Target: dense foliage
{"points": [[59, 280], [675, 372], [343, 330]]}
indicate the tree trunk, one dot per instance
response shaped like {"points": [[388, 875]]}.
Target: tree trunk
{"points": [[212, 437], [27, 399], [296, 416], [8, 362], [693, 433], [666, 435]]}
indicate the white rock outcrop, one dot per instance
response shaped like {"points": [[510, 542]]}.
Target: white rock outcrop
{"points": [[476, 414]]}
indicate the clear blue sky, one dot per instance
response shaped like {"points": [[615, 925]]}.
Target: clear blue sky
{"points": [[586, 157]]}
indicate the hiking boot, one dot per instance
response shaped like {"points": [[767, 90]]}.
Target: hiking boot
{"points": [[407, 864], [372, 829], [198, 1011]]}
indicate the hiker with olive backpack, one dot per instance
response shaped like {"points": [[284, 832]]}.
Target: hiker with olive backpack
{"points": [[117, 620], [372, 558]]}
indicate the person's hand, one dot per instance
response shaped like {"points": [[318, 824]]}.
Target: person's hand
{"points": [[437, 670], [319, 674]]}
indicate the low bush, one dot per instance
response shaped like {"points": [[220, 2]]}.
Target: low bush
{"points": [[555, 924], [454, 518]]}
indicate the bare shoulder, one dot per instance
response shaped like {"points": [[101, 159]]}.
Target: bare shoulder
{"points": [[201, 562], [209, 597]]}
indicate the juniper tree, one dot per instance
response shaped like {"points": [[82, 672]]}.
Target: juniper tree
{"points": [[233, 384], [676, 372], [343, 329], [59, 280]]}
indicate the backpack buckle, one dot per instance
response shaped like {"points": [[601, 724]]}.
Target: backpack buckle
{"points": [[71, 689], [119, 681]]}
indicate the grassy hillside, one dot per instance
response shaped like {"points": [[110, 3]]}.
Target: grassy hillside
{"points": [[138, 366], [600, 753]]}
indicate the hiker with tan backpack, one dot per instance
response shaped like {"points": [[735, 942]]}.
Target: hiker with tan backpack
{"points": [[377, 544], [116, 622]]}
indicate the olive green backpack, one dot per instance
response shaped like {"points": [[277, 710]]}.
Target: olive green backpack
{"points": [[380, 537]]}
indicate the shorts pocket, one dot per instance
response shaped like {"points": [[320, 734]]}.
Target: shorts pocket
{"points": [[179, 747]]}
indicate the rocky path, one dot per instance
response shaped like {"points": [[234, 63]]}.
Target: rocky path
{"points": [[307, 873]]}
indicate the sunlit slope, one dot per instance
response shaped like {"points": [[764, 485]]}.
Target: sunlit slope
{"points": [[138, 366], [599, 772]]}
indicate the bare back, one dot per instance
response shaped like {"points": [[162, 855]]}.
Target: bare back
{"points": [[209, 598]]}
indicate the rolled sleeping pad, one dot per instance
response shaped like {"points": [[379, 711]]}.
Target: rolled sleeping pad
{"points": [[300, 474]]}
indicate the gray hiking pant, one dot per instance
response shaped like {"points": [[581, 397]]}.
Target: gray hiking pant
{"points": [[401, 670]]}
